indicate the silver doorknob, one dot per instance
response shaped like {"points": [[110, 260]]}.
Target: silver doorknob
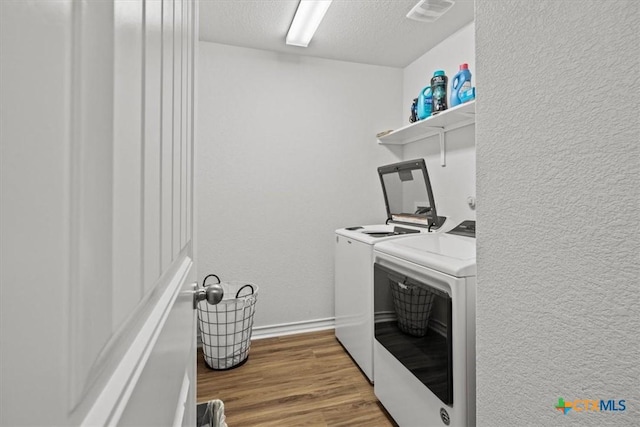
{"points": [[212, 293]]}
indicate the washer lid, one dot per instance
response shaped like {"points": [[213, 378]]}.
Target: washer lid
{"points": [[450, 254], [371, 234], [408, 196]]}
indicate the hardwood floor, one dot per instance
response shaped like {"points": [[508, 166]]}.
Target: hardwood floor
{"points": [[296, 380]]}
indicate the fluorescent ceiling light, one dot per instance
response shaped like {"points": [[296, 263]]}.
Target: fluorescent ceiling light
{"points": [[306, 20]]}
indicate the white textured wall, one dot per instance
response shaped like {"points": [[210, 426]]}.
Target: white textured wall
{"points": [[558, 161], [286, 154], [455, 182]]}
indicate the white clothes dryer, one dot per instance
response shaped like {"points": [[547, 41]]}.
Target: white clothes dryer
{"points": [[424, 328]]}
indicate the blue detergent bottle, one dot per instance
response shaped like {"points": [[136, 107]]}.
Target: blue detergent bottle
{"points": [[461, 83], [424, 103]]}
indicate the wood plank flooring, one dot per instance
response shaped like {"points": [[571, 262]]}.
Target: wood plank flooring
{"points": [[295, 380]]}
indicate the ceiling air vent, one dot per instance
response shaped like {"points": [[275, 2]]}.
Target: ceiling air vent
{"points": [[429, 10]]}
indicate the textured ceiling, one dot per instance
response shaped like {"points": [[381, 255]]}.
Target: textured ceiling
{"points": [[366, 31]]}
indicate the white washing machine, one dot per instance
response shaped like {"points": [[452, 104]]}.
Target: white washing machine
{"points": [[410, 210], [424, 346], [354, 289]]}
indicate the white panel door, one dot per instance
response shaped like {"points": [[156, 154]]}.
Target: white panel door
{"points": [[97, 325]]}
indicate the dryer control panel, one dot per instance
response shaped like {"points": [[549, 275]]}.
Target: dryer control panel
{"points": [[465, 228]]}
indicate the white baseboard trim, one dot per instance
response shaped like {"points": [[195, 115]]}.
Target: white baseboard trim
{"points": [[292, 328], [282, 329]]}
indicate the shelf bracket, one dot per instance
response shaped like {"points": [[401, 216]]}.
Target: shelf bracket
{"points": [[443, 162]]}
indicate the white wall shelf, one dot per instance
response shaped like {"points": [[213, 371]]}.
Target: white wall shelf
{"points": [[453, 118]]}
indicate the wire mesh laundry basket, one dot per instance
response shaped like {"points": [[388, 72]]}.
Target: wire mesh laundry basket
{"points": [[226, 327], [413, 306]]}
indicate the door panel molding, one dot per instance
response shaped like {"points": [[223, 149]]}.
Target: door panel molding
{"points": [[184, 393], [91, 188], [167, 125], [114, 396], [177, 128], [128, 163], [152, 144]]}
